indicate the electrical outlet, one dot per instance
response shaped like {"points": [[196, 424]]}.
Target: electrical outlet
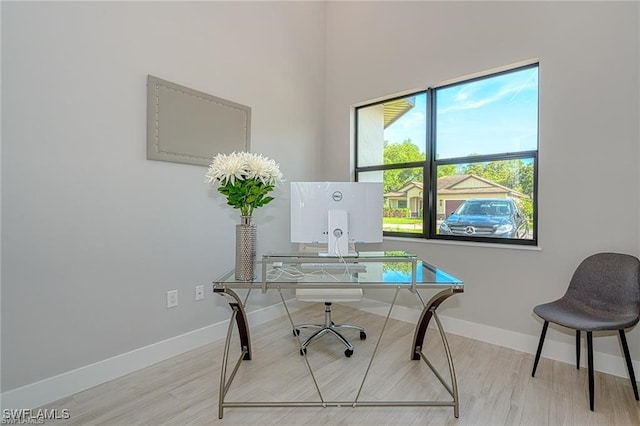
{"points": [[172, 298], [199, 292]]}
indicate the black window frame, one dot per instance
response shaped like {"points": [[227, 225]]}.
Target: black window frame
{"points": [[431, 163]]}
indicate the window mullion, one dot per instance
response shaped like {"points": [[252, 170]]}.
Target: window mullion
{"points": [[430, 166]]}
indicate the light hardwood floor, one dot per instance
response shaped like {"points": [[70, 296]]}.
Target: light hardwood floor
{"points": [[495, 384]]}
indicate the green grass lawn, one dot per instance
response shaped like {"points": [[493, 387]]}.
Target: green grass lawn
{"points": [[401, 220], [402, 224]]}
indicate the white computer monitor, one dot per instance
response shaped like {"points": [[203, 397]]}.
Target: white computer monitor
{"points": [[339, 214]]}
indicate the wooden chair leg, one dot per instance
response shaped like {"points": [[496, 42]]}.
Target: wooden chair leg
{"points": [[627, 357], [590, 362], [539, 351], [578, 349]]}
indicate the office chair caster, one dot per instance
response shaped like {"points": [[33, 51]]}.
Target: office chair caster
{"points": [[296, 332], [363, 335], [348, 353], [303, 351]]}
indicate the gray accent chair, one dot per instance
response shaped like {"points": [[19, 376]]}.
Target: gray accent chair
{"points": [[603, 295]]}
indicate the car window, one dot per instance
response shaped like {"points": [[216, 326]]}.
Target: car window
{"points": [[500, 209], [483, 208], [470, 208]]}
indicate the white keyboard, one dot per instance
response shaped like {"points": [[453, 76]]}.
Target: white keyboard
{"points": [[333, 267]]}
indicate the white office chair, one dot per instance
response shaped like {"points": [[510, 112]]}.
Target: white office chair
{"points": [[327, 296]]}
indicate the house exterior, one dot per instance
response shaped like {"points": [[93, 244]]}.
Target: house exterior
{"points": [[452, 191], [408, 197]]}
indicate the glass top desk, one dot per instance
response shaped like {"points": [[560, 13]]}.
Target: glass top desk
{"points": [[391, 270]]}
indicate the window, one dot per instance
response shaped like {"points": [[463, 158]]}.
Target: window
{"points": [[458, 161]]}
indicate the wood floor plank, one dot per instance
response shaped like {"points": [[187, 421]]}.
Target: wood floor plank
{"points": [[495, 384]]}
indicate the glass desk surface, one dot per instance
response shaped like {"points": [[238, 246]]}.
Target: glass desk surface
{"points": [[370, 269]]}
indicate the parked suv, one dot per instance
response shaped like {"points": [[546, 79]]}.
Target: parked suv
{"points": [[487, 217]]}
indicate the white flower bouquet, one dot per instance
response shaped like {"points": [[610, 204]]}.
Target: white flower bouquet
{"points": [[245, 179]]}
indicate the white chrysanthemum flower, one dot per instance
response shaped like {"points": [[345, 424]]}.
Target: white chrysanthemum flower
{"points": [[239, 171], [263, 169], [227, 168], [272, 173]]}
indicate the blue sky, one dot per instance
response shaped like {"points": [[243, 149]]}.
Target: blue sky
{"points": [[493, 115]]}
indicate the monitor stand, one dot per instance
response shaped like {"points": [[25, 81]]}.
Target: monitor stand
{"points": [[338, 235]]}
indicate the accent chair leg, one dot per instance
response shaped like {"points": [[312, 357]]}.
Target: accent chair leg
{"points": [[627, 357], [590, 362], [577, 349], [539, 351]]}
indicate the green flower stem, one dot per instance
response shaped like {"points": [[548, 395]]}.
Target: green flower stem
{"points": [[246, 195]]}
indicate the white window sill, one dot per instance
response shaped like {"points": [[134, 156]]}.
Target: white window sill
{"points": [[465, 243]]}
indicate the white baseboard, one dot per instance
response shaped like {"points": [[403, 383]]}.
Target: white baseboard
{"points": [[552, 349], [65, 384], [48, 390]]}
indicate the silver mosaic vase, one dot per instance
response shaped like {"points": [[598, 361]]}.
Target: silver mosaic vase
{"points": [[246, 236]]}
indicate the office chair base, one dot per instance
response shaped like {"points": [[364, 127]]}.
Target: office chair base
{"points": [[347, 352], [331, 328]]}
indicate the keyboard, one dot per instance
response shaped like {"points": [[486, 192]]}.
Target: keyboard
{"points": [[333, 267]]}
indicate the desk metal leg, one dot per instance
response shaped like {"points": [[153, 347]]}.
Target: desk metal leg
{"points": [[239, 317], [373, 354], [429, 312], [302, 352], [423, 323]]}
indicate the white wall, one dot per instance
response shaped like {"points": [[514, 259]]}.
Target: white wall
{"points": [[589, 108], [93, 233]]}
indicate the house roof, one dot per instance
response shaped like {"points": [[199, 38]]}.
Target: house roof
{"points": [[402, 192], [410, 185], [455, 184], [447, 182], [462, 183]]}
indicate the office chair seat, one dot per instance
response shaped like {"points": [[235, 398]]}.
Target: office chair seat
{"points": [[342, 295]]}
